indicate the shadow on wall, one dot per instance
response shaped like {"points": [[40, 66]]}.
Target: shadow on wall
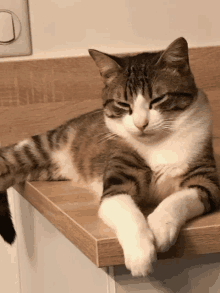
{"points": [[192, 274], [26, 212], [28, 230]]}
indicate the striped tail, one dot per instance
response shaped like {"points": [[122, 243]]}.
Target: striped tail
{"points": [[7, 230]]}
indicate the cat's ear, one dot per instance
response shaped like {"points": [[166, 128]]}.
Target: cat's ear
{"points": [[176, 55], [107, 65]]}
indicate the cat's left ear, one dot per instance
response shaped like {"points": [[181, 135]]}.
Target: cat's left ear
{"points": [[176, 55], [107, 64]]}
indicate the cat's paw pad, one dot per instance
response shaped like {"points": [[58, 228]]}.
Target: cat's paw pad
{"points": [[140, 254], [165, 230]]}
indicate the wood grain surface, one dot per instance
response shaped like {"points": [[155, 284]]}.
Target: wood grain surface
{"points": [[41, 94]]}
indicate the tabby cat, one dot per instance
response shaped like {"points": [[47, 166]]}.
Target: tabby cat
{"points": [[151, 144]]}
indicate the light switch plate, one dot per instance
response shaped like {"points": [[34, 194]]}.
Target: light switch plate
{"points": [[21, 45]]}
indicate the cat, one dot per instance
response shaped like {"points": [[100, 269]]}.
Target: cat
{"points": [[150, 144]]}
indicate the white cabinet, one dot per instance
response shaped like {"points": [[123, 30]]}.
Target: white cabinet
{"points": [[43, 260], [9, 267]]}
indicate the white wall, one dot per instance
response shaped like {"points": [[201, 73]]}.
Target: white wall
{"points": [[70, 27]]}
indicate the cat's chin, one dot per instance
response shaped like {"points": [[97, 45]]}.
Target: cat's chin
{"points": [[146, 134], [149, 136], [143, 135]]}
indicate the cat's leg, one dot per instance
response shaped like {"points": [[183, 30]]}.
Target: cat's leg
{"points": [[40, 157], [173, 212], [121, 214], [125, 179]]}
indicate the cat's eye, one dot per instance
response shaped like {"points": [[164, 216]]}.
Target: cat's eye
{"points": [[157, 100], [124, 106]]}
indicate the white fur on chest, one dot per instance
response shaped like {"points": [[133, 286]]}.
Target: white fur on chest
{"points": [[175, 151]]}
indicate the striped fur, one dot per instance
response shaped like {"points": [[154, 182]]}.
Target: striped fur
{"points": [[151, 144]]}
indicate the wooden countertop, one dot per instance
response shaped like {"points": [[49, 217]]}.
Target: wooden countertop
{"points": [[73, 211]]}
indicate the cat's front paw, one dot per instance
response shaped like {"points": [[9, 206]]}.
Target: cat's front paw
{"points": [[164, 228], [140, 254]]}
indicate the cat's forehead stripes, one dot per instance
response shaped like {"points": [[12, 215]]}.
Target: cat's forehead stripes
{"points": [[137, 80]]}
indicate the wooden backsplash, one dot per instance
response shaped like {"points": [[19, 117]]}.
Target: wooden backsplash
{"points": [[37, 95]]}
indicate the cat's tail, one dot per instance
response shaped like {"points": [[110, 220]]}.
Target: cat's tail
{"points": [[7, 230], [31, 159]]}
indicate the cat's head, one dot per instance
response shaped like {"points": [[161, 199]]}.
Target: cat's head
{"points": [[147, 92]]}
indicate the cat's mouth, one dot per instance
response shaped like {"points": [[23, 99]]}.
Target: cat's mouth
{"points": [[145, 133]]}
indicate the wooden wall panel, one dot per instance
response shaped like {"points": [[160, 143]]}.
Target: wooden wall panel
{"points": [[37, 95], [205, 64]]}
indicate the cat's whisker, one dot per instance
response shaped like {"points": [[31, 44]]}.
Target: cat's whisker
{"points": [[106, 137], [160, 126]]}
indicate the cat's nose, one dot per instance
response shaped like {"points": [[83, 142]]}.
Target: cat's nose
{"points": [[140, 113], [141, 125], [140, 119]]}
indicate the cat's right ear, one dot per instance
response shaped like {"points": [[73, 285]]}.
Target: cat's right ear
{"points": [[108, 67], [176, 55]]}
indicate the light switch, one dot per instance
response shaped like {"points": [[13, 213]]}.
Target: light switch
{"points": [[15, 34], [7, 32]]}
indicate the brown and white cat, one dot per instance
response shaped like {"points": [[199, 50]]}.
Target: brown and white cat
{"points": [[150, 144]]}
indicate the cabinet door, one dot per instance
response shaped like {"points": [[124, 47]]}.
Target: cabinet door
{"points": [[9, 270], [48, 261]]}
